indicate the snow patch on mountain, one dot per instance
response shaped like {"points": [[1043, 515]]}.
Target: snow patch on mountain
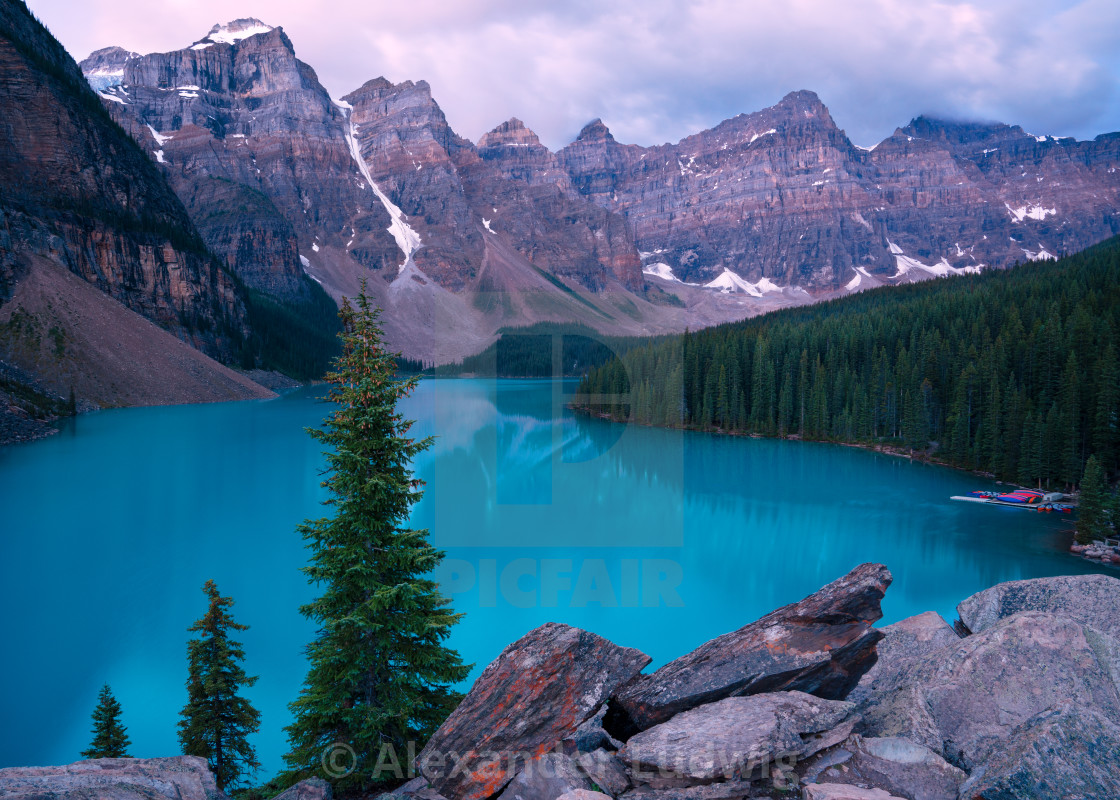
{"points": [[235, 31], [407, 239], [729, 282], [1035, 211], [854, 283], [1041, 255], [941, 269], [159, 137], [661, 270]]}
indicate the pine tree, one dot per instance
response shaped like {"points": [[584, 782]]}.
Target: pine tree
{"points": [[1093, 509], [380, 675], [110, 740], [216, 721]]}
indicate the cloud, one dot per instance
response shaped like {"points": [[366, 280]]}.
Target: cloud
{"points": [[657, 70]]}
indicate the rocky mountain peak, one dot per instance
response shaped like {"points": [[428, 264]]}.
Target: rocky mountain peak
{"points": [[511, 133], [406, 94], [804, 104], [595, 131], [235, 31], [105, 67], [965, 135]]}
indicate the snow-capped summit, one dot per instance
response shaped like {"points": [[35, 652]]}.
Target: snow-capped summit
{"points": [[235, 31], [104, 68]]}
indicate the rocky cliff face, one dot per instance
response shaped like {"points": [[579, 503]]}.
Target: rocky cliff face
{"points": [[782, 195], [254, 147], [78, 192], [281, 180]]}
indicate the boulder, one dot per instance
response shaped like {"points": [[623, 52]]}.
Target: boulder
{"points": [[965, 701], [1066, 752], [606, 770], [179, 778], [731, 790], [310, 789], [736, 739], [898, 766], [903, 643], [822, 645], [1092, 600], [535, 694], [546, 777], [415, 789], [841, 791], [584, 794]]}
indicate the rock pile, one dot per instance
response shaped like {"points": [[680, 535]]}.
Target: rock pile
{"points": [[1019, 699]]}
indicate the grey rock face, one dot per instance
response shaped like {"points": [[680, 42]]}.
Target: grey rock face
{"points": [[730, 790], [782, 193], [606, 770], [584, 794], [546, 778], [1093, 600], [310, 789], [821, 645], [733, 738], [898, 766], [903, 643], [256, 149], [965, 701], [180, 778], [842, 791], [535, 694], [1062, 753], [78, 193]]}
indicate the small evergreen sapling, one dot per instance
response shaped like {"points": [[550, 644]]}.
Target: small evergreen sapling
{"points": [[110, 740], [216, 721]]}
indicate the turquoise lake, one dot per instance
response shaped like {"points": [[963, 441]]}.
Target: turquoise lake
{"points": [[655, 539]]}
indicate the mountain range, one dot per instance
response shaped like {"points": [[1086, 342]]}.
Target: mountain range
{"points": [[241, 181]]}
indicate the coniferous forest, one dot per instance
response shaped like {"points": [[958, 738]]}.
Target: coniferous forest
{"points": [[1012, 372]]}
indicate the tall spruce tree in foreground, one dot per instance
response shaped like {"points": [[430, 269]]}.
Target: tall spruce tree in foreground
{"points": [[109, 737], [216, 721], [380, 675]]}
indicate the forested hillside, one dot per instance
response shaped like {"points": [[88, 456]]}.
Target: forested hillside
{"points": [[1012, 372]]}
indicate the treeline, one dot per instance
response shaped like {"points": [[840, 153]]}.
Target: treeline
{"points": [[1011, 372], [297, 339], [543, 350]]}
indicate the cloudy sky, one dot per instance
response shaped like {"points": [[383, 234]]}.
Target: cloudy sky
{"points": [[657, 70]]}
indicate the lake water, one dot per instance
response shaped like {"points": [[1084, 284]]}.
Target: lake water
{"points": [[655, 539]]}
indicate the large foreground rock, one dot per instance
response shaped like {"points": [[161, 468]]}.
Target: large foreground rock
{"points": [[736, 739], [547, 777], [896, 766], [902, 644], [1063, 753], [821, 645], [536, 693], [966, 701], [1092, 600], [180, 778]]}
